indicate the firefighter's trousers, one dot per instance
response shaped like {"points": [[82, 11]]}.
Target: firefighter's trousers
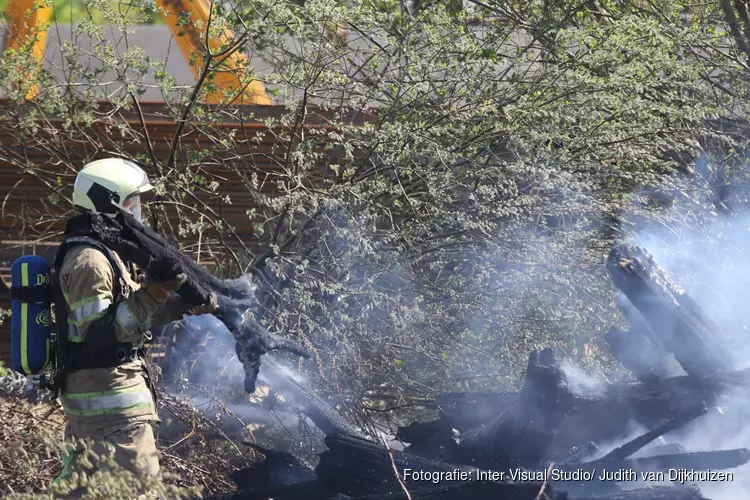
{"points": [[135, 451]]}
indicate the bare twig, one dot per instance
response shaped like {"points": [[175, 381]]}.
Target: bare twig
{"points": [[183, 439], [149, 146], [542, 490], [395, 469], [191, 465]]}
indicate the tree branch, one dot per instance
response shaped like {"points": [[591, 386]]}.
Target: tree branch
{"points": [[731, 19]]}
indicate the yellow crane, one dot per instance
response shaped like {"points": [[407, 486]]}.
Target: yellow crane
{"points": [[29, 21]]}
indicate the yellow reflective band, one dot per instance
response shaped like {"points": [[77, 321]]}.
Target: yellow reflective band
{"points": [[89, 300], [106, 402], [25, 321], [87, 319], [90, 309], [108, 411], [111, 392]]}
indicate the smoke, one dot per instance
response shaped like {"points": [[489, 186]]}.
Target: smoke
{"points": [[217, 375], [581, 383], [274, 372], [215, 366], [706, 254]]}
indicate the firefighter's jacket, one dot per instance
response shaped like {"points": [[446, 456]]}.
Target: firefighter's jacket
{"points": [[100, 401]]}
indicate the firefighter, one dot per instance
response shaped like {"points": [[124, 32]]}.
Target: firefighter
{"points": [[106, 389]]}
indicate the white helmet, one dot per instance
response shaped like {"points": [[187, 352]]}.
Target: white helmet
{"points": [[112, 184]]}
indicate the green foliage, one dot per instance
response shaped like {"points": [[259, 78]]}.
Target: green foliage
{"points": [[100, 476]]}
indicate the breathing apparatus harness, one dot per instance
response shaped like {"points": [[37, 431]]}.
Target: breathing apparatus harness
{"points": [[100, 347]]}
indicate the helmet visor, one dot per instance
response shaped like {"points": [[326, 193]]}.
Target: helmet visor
{"points": [[133, 205]]}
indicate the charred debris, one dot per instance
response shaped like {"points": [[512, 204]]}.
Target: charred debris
{"points": [[548, 442]]}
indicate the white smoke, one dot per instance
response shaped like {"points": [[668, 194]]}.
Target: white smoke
{"points": [[215, 382], [581, 383], [708, 258]]}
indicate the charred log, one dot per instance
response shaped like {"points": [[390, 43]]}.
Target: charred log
{"points": [[604, 418], [594, 419], [277, 470], [635, 319], [311, 490], [638, 467], [357, 466], [661, 449], [634, 445], [698, 461], [428, 439], [679, 323], [461, 411], [457, 412], [521, 436], [639, 349], [616, 459]]}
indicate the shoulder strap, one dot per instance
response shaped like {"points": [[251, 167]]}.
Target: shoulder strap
{"points": [[73, 240]]}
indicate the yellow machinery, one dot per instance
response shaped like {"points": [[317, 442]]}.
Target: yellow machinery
{"points": [[29, 20], [28, 24]]}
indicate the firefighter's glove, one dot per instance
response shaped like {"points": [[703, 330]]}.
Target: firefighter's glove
{"points": [[207, 308], [161, 290]]}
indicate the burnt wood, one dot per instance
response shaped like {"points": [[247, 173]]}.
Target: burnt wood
{"points": [[520, 436], [357, 466], [677, 321], [277, 470], [594, 419], [672, 348]]}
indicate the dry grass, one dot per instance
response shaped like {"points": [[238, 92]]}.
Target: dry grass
{"points": [[29, 455], [31, 434]]}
